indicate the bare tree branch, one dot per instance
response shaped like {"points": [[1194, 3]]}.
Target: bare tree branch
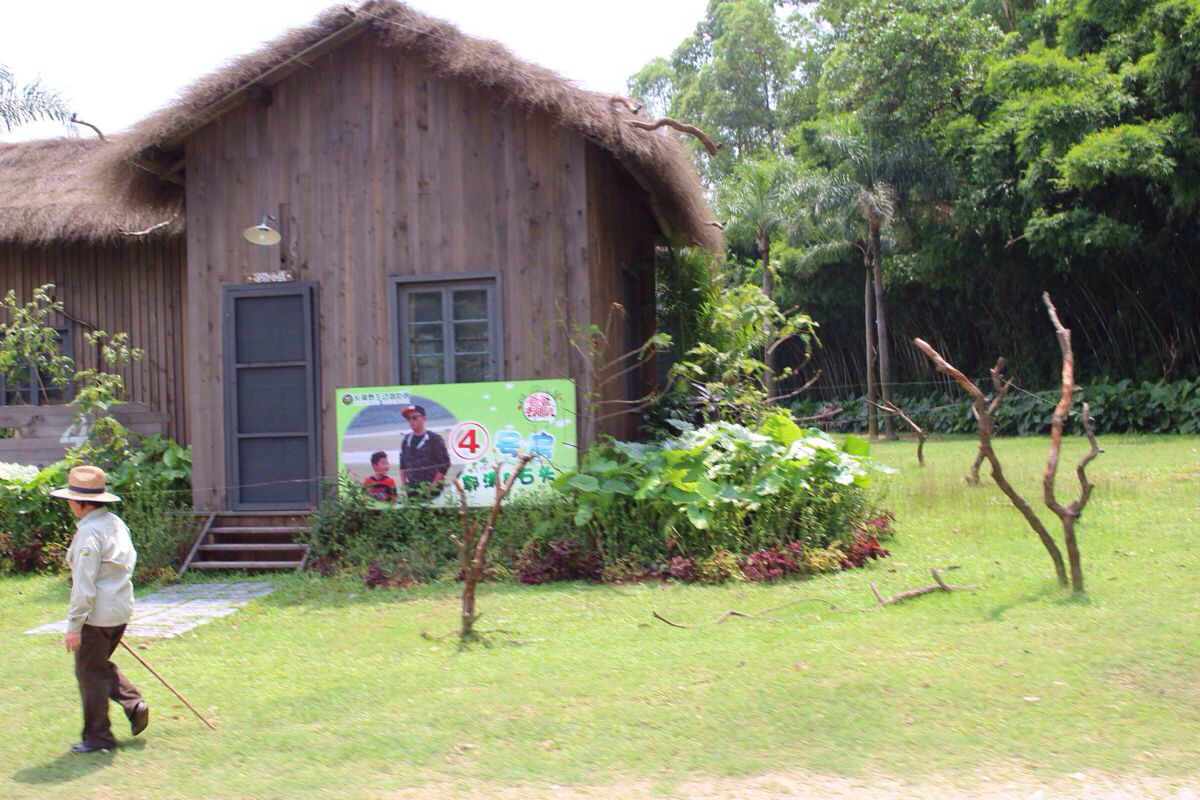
{"points": [[75, 118], [632, 106], [683, 127], [984, 421], [921, 436]]}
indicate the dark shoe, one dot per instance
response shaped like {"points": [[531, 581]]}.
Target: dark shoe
{"points": [[80, 747], [139, 719]]}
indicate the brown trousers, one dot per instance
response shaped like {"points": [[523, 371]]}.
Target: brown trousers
{"points": [[99, 681]]}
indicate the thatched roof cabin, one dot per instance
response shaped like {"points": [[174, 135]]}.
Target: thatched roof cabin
{"points": [[406, 165], [100, 191], [58, 190]]}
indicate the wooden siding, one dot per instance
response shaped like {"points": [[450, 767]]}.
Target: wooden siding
{"points": [[381, 169], [621, 238], [136, 287]]}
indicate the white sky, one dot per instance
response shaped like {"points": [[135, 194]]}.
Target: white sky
{"points": [[115, 61]]}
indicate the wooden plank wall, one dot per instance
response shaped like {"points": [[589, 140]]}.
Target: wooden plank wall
{"points": [[621, 239], [383, 170], [136, 287]]}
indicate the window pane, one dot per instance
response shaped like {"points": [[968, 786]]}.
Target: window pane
{"points": [[471, 337], [419, 348], [471, 368], [426, 369], [425, 331], [280, 466], [436, 347], [470, 304], [272, 399], [425, 306], [269, 329]]}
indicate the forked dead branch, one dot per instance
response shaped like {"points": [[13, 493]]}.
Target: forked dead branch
{"points": [[1068, 513], [472, 544], [892, 408], [1001, 387]]}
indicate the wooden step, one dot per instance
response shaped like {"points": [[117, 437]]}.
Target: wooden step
{"points": [[251, 529], [250, 540], [205, 548], [246, 564]]}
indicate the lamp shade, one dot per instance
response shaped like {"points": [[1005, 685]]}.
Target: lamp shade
{"points": [[262, 233]]}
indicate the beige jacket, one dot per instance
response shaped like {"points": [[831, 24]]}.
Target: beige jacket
{"points": [[101, 558]]}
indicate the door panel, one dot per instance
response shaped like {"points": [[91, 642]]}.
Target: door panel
{"points": [[272, 442]]}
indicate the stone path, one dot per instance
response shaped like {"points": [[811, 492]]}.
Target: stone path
{"points": [[170, 612]]}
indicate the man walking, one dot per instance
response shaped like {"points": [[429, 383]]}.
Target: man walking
{"points": [[101, 557]]}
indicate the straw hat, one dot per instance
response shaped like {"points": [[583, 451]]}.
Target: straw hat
{"points": [[85, 484]]}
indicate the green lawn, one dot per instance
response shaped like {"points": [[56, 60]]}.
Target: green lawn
{"points": [[326, 689]]}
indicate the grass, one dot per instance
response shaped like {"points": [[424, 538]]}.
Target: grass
{"points": [[326, 689]]}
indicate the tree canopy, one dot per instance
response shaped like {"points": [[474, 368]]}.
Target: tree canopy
{"points": [[997, 148]]}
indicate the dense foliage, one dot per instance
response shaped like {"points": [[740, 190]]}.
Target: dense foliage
{"points": [[978, 152], [1122, 407], [708, 505], [154, 484]]}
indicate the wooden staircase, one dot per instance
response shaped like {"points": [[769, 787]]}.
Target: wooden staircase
{"points": [[249, 540]]}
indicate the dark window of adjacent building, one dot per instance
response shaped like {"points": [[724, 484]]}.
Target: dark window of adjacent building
{"points": [[29, 391], [446, 330]]}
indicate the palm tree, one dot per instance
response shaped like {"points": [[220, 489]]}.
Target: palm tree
{"points": [[754, 204], [884, 190], [19, 105], [858, 184], [844, 217]]}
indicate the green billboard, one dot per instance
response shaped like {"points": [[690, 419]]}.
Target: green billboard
{"points": [[413, 441]]}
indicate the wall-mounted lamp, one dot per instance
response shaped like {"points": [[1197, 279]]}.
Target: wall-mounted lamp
{"points": [[262, 233]]}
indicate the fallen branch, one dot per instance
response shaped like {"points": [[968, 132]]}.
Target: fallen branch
{"points": [[709, 145], [939, 585], [734, 613]]}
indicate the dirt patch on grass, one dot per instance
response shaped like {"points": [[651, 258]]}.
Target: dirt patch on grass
{"points": [[993, 785]]}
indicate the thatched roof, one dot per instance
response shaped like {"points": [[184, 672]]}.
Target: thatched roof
{"points": [[49, 192], [656, 159]]}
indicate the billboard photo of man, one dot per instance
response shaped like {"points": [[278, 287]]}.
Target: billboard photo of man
{"points": [[424, 460]]}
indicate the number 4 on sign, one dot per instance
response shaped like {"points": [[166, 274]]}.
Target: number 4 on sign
{"points": [[469, 440]]}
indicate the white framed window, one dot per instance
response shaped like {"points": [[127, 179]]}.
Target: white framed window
{"points": [[446, 329]]}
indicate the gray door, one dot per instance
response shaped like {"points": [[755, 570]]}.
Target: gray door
{"points": [[271, 442]]}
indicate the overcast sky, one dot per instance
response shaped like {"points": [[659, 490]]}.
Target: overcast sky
{"points": [[115, 61]]}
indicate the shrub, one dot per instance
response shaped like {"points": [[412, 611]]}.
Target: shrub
{"points": [[682, 569], [154, 484], [623, 570], [1122, 407], [349, 531], [35, 529], [862, 548], [722, 486], [719, 567], [820, 559], [769, 564], [376, 577], [556, 560], [162, 532]]}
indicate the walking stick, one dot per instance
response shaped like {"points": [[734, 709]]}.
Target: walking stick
{"points": [[169, 686]]}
